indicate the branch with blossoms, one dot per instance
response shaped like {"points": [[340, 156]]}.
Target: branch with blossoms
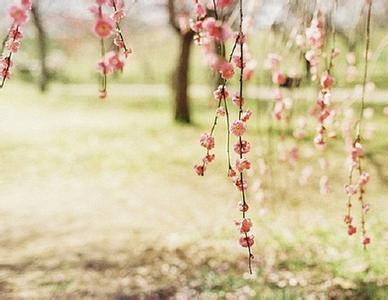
{"points": [[104, 27], [324, 108], [356, 155], [18, 13], [209, 32]]}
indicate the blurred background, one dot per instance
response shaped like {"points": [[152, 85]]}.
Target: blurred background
{"points": [[98, 198]]}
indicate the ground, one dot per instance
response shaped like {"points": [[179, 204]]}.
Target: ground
{"points": [[98, 200]]}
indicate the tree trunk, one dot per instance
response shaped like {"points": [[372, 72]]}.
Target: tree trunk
{"points": [[42, 43], [181, 80]]}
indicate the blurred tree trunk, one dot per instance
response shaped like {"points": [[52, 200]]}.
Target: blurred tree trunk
{"points": [[181, 75], [181, 84], [42, 43]]}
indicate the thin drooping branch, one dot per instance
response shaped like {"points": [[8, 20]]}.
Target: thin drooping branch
{"points": [[241, 93], [357, 153]]}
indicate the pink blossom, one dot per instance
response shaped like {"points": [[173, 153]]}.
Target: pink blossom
{"points": [[103, 27], [366, 240], [237, 100], [242, 148], [200, 10], [364, 179], [246, 116], [279, 78], [118, 15], [352, 230], [243, 207], [247, 241], [319, 141], [115, 61], [15, 33], [208, 158], [327, 81], [357, 152], [365, 207], [103, 67], [200, 170], [231, 173], [241, 38], [196, 26], [245, 225], [240, 185], [351, 189], [217, 30], [13, 45], [18, 14], [207, 141], [237, 61], [238, 128], [279, 108], [348, 219], [221, 93], [224, 3], [221, 111], [242, 164], [226, 70], [26, 3], [5, 73]]}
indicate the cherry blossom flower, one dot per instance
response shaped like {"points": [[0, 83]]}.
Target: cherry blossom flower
{"points": [[207, 141], [103, 27], [242, 147], [242, 164], [238, 128], [247, 241], [18, 14]]}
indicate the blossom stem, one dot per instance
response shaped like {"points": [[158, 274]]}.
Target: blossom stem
{"points": [[366, 59], [118, 29], [240, 38], [8, 58]]}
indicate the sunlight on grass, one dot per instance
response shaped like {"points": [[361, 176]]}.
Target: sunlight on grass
{"points": [[99, 198]]}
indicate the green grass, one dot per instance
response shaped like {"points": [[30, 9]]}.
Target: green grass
{"points": [[98, 199]]}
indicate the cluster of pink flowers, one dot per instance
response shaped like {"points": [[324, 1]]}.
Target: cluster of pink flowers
{"points": [[281, 111], [106, 26], [324, 108], [211, 32], [358, 189], [324, 111], [315, 37], [279, 78], [19, 15]]}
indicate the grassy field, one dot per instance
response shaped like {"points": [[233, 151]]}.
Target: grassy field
{"points": [[98, 200]]}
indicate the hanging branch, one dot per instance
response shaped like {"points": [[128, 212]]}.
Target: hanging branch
{"points": [[213, 32], [247, 239], [19, 14], [325, 105], [357, 152], [104, 27]]}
